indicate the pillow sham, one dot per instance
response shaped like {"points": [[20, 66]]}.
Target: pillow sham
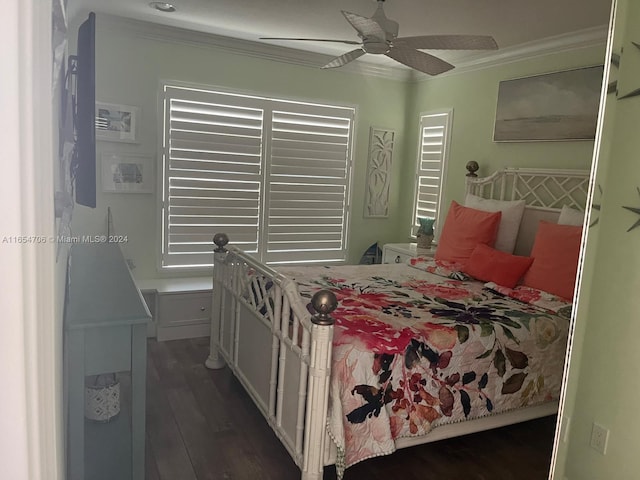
{"points": [[463, 229], [512, 211], [555, 259], [491, 265], [570, 216]]}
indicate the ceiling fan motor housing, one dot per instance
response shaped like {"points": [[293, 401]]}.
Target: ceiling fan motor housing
{"points": [[375, 46]]}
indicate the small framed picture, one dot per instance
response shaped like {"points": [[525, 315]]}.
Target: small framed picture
{"points": [[116, 123], [127, 173]]}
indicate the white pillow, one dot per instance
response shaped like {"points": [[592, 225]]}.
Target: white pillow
{"points": [[512, 211], [570, 216]]}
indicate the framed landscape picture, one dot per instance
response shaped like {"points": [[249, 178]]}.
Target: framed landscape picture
{"points": [[549, 107]]}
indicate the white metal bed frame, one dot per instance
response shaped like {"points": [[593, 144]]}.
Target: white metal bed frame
{"points": [[281, 353]]}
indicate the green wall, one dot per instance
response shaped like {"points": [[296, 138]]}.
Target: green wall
{"points": [[129, 69], [131, 63], [603, 386], [473, 96]]}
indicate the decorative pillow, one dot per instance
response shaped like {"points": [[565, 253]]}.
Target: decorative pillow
{"points": [[555, 259], [512, 211], [463, 229], [570, 216], [491, 265]]}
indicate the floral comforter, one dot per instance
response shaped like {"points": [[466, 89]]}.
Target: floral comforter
{"points": [[413, 350]]}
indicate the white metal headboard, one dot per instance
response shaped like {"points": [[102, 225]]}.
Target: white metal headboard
{"points": [[545, 192]]}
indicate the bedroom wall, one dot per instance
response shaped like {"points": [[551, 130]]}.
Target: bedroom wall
{"points": [[473, 97], [130, 65], [603, 385]]}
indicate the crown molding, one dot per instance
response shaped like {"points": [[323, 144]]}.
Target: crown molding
{"points": [[591, 37], [587, 38], [164, 33]]}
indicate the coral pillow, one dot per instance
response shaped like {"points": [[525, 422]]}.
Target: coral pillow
{"points": [[463, 229], [555, 259], [491, 265]]}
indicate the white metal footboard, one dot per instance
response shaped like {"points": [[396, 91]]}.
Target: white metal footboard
{"points": [[280, 352]]}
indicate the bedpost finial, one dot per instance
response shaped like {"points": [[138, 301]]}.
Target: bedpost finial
{"points": [[472, 167], [221, 240], [324, 302]]}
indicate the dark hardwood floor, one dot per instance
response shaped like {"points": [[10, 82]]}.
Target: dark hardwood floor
{"points": [[202, 425]]}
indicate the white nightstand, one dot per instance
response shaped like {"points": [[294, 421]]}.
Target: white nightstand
{"points": [[182, 306], [401, 252]]}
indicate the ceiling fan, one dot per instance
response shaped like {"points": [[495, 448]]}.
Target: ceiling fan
{"points": [[379, 35]]}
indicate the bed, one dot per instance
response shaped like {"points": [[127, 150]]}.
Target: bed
{"points": [[352, 362]]}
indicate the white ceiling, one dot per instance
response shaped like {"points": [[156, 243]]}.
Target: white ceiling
{"points": [[512, 23]]}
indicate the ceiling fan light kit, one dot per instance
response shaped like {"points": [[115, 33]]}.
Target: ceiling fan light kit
{"points": [[379, 36]]}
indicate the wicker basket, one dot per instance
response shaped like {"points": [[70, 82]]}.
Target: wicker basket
{"points": [[102, 397]]}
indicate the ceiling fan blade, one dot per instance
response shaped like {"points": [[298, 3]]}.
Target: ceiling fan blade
{"points": [[419, 60], [448, 42], [366, 27], [348, 42], [344, 59]]}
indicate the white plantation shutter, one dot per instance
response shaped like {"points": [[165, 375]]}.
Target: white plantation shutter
{"points": [[273, 175], [308, 185], [433, 151]]}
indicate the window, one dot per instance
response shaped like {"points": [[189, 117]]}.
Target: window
{"points": [[431, 166], [272, 174]]}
